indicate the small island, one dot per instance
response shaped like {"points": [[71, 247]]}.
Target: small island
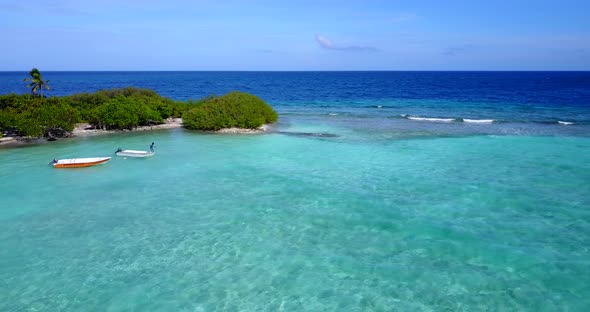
{"points": [[235, 110], [26, 117]]}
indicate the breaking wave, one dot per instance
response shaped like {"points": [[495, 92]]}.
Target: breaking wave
{"points": [[478, 121], [416, 118]]}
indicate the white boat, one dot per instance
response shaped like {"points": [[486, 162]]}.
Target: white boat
{"points": [[134, 153], [79, 162]]}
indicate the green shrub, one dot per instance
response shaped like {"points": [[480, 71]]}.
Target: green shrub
{"points": [[86, 103], [124, 112], [57, 114], [35, 115], [126, 109], [235, 109], [117, 113]]}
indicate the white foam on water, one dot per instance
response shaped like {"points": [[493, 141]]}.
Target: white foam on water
{"points": [[431, 119], [565, 122], [479, 121]]}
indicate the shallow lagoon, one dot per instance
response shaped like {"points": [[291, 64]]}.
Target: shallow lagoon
{"points": [[365, 220], [384, 213]]}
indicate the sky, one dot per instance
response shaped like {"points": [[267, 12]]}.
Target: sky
{"points": [[294, 35]]}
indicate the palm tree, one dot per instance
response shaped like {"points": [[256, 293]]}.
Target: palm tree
{"points": [[36, 82]]}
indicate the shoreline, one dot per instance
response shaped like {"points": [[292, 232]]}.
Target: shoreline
{"points": [[261, 129], [81, 130], [86, 130]]}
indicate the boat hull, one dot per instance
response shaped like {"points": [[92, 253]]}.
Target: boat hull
{"points": [[133, 153], [80, 162]]}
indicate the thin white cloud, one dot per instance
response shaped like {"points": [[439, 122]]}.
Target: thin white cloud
{"points": [[324, 42], [327, 44]]}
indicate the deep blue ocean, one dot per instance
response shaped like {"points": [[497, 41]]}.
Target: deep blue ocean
{"points": [[375, 191], [517, 102]]}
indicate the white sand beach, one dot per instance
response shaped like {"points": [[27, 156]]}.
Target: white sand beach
{"points": [[85, 129], [260, 129]]}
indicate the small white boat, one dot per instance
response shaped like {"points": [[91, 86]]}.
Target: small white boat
{"points": [[134, 153], [79, 162]]}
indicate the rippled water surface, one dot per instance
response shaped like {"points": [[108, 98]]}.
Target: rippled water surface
{"points": [[343, 206]]}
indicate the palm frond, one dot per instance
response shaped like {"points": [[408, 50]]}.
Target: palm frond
{"points": [[36, 82]]}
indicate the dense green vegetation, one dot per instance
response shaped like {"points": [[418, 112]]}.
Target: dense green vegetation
{"points": [[34, 116], [235, 109]]}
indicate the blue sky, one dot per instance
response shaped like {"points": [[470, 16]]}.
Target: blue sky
{"points": [[294, 35]]}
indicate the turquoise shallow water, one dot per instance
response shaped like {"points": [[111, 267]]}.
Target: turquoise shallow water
{"points": [[278, 222]]}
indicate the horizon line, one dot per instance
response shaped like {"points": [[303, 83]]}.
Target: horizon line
{"points": [[335, 70]]}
